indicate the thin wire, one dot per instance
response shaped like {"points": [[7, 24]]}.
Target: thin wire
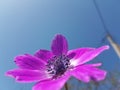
{"points": [[102, 21], [101, 17], [107, 33]]}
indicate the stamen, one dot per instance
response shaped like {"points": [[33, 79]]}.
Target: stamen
{"points": [[58, 65]]}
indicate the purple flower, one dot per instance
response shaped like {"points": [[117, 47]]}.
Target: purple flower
{"points": [[53, 68]]}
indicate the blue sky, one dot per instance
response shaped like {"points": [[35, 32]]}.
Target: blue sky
{"points": [[28, 25]]}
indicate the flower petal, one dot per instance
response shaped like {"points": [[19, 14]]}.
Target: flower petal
{"points": [[88, 72], [29, 62], [26, 76], [56, 84], [80, 74], [59, 45], [76, 53], [94, 65], [88, 56], [44, 54]]}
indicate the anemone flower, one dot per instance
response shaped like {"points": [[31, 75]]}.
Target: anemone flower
{"points": [[51, 69]]}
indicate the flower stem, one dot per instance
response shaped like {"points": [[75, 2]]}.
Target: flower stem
{"points": [[66, 86]]}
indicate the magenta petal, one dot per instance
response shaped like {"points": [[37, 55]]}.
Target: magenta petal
{"points": [[44, 54], [56, 84], [81, 75], [29, 62], [94, 65], [78, 52], [88, 72], [26, 76], [88, 55], [59, 45]]}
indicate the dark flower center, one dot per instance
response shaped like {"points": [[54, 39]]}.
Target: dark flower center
{"points": [[58, 65]]}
